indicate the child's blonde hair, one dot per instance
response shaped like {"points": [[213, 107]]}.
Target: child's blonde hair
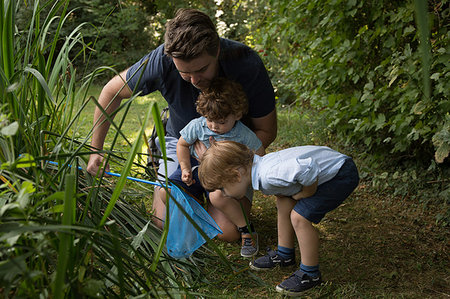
{"points": [[220, 163], [222, 98]]}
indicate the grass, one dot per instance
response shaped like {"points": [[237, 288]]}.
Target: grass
{"points": [[133, 121], [375, 245]]}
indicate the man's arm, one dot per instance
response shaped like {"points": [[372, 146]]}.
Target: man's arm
{"points": [[110, 98], [266, 128]]}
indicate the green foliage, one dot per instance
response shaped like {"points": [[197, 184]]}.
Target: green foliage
{"points": [[55, 238], [116, 33], [359, 63]]}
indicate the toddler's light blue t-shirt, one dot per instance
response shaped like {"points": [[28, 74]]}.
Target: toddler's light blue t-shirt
{"points": [[197, 129]]}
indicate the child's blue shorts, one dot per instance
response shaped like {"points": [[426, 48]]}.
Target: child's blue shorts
{"points": [[329, 195], [196, 190]]}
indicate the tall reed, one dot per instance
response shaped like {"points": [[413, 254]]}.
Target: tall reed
{"points": [[63, 233]]}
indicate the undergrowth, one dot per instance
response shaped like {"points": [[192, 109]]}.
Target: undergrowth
{"points": [[388, 233]]}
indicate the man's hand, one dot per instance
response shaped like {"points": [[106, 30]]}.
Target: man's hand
{"points": [[95, 163]]}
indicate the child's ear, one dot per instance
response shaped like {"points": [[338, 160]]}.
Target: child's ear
{"points": [[238, 174], [238, 116]]}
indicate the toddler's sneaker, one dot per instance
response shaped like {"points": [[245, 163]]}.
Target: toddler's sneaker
{"points": [[298, 283], [249, 245], [271, 260]]}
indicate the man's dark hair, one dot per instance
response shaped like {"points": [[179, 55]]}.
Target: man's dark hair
{"points": [[190, 34]]}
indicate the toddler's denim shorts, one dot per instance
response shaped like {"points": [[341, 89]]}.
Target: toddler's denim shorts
{"points": [[329, 195], [196, 189]]}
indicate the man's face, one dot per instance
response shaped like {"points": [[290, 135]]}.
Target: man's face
{"points": [[198, 71]]}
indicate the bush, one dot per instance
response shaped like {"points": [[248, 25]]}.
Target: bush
{"points": [[359, 63]]}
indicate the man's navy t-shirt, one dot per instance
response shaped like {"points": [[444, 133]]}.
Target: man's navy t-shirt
{"points": [[236, 62]]}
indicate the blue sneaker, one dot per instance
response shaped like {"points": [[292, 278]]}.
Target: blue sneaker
{"points": [[271, 260], [297, 283]]}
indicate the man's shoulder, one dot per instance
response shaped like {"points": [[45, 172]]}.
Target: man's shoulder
{"points": [[154, 61], [234, 53]]}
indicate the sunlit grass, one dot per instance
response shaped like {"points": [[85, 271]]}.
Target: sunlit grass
{"points": [[64, 233], [133, 121]]}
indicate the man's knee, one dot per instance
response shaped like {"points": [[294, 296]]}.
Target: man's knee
{"points": [[230, 234], [218, 200], [159, 207], [159, 196]]}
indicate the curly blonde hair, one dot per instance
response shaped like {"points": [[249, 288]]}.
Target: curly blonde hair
{"points": [[222, 98], [220, 163]]}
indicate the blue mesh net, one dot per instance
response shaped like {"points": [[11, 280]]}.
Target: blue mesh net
{"points": [[183, 238]]}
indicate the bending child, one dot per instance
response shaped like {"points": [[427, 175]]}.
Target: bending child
{"points": [[308, 181], [222, 106]]}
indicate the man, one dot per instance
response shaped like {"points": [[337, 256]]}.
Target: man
{"points": [[192, 55]]}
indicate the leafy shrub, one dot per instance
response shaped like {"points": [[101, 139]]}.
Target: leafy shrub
{"points": [[359, 63]]}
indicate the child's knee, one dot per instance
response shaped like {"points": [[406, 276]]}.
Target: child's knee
{"points": [[298, 221], [285, 205]]}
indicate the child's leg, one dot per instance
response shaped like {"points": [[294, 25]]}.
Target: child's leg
{"points": [[308, 239], [229, 215], [306, 211], [284, 256], [284, 226]]}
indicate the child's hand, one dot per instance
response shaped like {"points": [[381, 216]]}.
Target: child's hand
{"points": [[186, 177], [307, 191]]}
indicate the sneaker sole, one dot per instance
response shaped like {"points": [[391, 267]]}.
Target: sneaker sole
{"points": [[265, 269], [290, 293], [249, 256], [259, 269], [295, 294]]}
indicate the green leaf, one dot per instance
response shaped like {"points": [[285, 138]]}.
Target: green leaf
{"points": [[369, 85], [380, 121], [65, 239], [435, 76], [126, 170], [11, 129], [331, 100], [25, 160], [408, 30]]}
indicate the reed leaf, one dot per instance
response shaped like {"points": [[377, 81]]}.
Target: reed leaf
{"points": [[126, 170], [65, 239]]}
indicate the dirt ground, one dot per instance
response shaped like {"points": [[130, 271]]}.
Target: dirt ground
{"points": [[372, 246]]}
